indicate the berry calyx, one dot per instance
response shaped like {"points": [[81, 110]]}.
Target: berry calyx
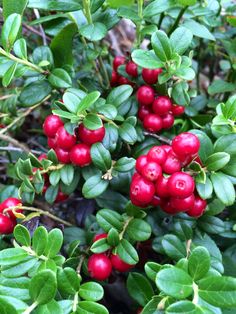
{"points": [[185, 144], [142, 190], [151, 76], [80, 155], [157, 154], [131, 69], [145, 95], [99, 266], [90, 136], [118, 60], [120, 265], [64, 139], [62, 155], [198, 208], [152, 171], [181, 185], [6, 224], [51, 124], [162, 105], [152, 123], [99, 237]]}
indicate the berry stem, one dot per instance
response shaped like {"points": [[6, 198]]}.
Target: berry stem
{"points": [[195, 295], [14, 142], [125, 227], [30, 308], [158, 137], [75, 302]]}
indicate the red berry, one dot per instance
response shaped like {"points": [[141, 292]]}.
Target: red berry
{"points": [[166, 207], [177, 110], [157, 154], [142, 190], [6, 224], [167, 148], [152, 171], [139, 310], [99, 236], [172, 163], [145, 95], [143, 112], [167, 121], [11, 202], [64, 139], [90, 136], [198, 207], [141, 162], [137, 203], [182, 204], [185, 144], [51, 124], [161, 105], [156, 201], [136, 175], [120, 265], [42, 156], [150, 76], [80, 155], [152, 123], [181, 185], [61, 197], [52, 142], [62, 155], [118, 60], [131, 69], [162, 187], [99, 266], [114, 78], [198, 160], [123, 81]]}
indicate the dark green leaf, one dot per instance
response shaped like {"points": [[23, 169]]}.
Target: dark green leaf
{"points": [[223, 188], [91, 291], [199, 263], [60, 78], [94, 32], [127, 252], [217, 161], [94, 186], [161, 45], [10, 30], [22, 235], [34, 93], [101, 157]]}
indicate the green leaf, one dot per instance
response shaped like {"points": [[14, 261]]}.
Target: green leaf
{"points": [[55, 240], [92, 121], [128, 133], [88, 101], [181, 39], [72, 99], [124, 164], [220, 86], [51, 193], [198, 29], [218, 291], [94, 32], [42, 55], [54, 177], [60, 78], [108, 219], [161, 45], [10, 30], [94, 186], [6, 307], [151, 269], [205, 190], [12, 256], [34, 93], [43, 287], [20, 48], [146, 58], [180, 94], [113, 237], [175, 282], [68, 281], [11, 6], [120, 3], [40, 240], [119, 95], [226, 143], [217, 161], [206, 147], [101, 157], [52, 307], [22, 235], [100, 246], [89, 307], [156, 7], [139, 288], [199, 263], [184, 307], [91, 291], [67, 174], [127, 252], [139, 230], [59, 5], [9, 75], [173, 247], [20, 268], [223, 188]]}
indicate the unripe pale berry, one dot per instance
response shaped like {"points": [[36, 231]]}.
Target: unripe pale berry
{"points": [[99, 266]]}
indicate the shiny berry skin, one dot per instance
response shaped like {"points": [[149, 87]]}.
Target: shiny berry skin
{"points": [[91, 136], [137, 203], [152, 123], [182, 204], [167, 208], [181, 185], [7, 224], [120, 265], [162, 187], [80, 155], [199, 207], [61, 197], [145, 95], [99, 266], [136, 175], [114, 78], [52, 142], [64, 139], [156, 201], [150, 76], [99, 237], [143, 112], [42, 156], [123, 81], [185, 144], [118, 60], [152, 171], [11, 202], [167, 121], [142, 190], [141, 162], [63, 156], [51, 124], [131, 69], [157, 154], [172, 163], [161, 105], [177, 110], [167, 148]]}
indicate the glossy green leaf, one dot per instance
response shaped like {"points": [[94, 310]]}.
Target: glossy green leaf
{"points": [[40, 240], [161, 45], [217, 161], [181, 39], [91, 291], [199, 263], [94, 186], [60, 78], [223, 188], [34, 93], [94, 32], [55, 240], [22, 235], [20, 48], [127, 252], [10, 30]]}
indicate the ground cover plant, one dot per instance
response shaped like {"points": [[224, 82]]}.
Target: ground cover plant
{"points": [[118, 157]]}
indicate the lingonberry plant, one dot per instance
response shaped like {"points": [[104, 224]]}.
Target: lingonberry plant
{"points": [[118, 157]]}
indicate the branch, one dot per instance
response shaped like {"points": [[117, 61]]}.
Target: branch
{"points": [[42, 33], [158, 137], [14, 142]]}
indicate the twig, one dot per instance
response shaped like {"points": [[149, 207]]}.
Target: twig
{"points": [[14, 142], [42, 33], [34, 30], [158, 137], [6, 96], [17, 149]]}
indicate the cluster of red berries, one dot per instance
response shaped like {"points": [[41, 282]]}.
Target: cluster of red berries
{"points": [[161, 181], [65, 145], [155, 111], [8, 218], [100, 265]]}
